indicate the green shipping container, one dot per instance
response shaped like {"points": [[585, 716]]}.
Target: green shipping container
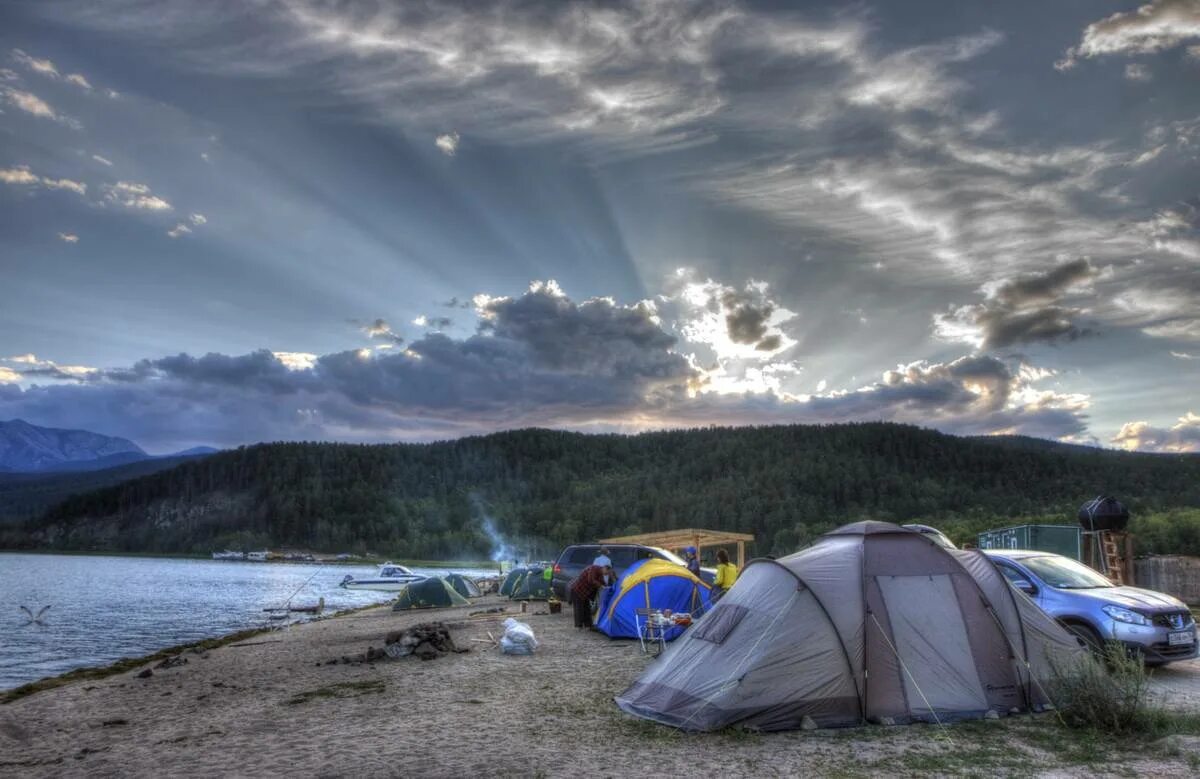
{"points": [[1059, 539]]}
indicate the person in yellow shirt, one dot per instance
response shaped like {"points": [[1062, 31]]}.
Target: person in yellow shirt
{"points": [[726, 575]]}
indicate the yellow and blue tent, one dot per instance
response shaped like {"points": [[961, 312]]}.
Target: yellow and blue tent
{"points": [[650, 584]]}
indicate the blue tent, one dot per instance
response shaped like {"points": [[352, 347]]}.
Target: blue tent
{"points": [[650, 584]]}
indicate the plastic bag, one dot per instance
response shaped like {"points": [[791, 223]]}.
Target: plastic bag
{"points": [[517, 639]]}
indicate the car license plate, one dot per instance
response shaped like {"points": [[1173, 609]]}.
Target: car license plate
{"points": [[1181, 638]]}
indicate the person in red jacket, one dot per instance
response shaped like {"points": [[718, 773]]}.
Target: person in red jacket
{"points": [[584, 589]]}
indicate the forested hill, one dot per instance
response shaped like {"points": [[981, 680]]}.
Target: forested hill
{"points": [[544, 488]]}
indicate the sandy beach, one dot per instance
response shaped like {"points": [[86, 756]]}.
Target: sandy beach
{"points": [[273, 703]]}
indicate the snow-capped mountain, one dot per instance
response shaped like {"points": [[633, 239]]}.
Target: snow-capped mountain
{"points": [[25, 448]]}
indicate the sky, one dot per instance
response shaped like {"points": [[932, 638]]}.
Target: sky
{"points": [[264, 220]]}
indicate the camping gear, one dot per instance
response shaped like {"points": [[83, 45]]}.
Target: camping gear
{"points": [[872, 623], [650, 584], [463, 586], [434, 592], [517, 639], [1066, 540], [1103, 513], [531, 586]]}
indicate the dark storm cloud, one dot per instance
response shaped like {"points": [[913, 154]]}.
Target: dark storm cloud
{"points": [[1020, 310], [747, 319]]}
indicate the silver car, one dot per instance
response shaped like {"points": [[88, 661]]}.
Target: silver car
{"points": [[1158, 627]]}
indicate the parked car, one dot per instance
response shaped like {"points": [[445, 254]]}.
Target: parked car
{"points": [[573, 559], [1154, 625]]}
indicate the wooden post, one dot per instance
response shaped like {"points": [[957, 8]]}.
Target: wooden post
{"points": [[1128, 552], [741, 556]]}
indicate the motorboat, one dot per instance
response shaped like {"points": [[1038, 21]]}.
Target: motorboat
{"points": [[229, 555], [392, 577]]}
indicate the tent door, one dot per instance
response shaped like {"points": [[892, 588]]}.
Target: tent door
{"points": [[930, 637]]}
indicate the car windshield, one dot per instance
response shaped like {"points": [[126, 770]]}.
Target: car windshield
{"points": [[1065, 574]]}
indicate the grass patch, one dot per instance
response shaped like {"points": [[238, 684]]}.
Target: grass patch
{"points": [[340, 690], [125, 664]]}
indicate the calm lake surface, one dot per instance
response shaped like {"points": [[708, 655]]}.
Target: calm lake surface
{"points": [[106, 608]]}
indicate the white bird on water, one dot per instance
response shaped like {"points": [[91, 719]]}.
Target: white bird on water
{"points": [[35, 619]]}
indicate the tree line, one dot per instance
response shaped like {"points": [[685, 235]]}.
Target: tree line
{"points": [[544, 489]]}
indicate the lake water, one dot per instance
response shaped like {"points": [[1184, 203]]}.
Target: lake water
{"points": [[107, 608]]}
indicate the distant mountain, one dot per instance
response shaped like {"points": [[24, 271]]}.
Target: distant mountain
{"points": [[27, 495], [542, 489], [32, 449], [26, 448]]}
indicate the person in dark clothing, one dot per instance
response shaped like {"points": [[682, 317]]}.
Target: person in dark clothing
{"points": [[584, 589], [693, 560]]}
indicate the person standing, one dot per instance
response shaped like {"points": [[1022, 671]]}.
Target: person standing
{"points": [[584, 589], [726, 575], [693, 561]]}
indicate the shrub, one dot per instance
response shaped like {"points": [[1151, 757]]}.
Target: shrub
{"points": [[1108, 696]]}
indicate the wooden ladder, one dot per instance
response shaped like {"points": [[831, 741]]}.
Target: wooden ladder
{"points": [[1112, 543]]}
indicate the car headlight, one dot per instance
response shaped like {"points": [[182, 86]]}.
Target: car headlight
{"points": [[1125, 615]]}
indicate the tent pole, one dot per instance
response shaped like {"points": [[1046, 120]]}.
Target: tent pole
{"points": [[741, 555]]}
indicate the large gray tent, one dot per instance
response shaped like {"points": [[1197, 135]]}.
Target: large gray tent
{"points": [[873, 623]]}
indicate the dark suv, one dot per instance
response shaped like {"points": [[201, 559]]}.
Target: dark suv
{"points": [[572, 560]]}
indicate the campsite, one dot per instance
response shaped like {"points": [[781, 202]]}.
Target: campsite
{"points": [[873, 651]]}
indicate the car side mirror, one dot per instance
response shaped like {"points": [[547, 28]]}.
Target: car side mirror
{"points": [[1025, 586]]}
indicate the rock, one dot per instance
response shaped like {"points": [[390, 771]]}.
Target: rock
{"points": [[173, 662], [808, 723], [108, 723], [991, 714], [145, 674], [887, 721]]}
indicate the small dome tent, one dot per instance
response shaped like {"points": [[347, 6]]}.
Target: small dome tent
{"points": [[649, 584], [512, 578], [431, 593], [532, 585], [463, 586], [873, 623]]}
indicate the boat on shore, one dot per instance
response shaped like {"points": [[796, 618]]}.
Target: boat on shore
{"points": [[229, 555], [392, 577]]}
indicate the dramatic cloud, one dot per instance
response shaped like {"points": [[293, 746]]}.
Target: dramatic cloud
{"points": [[379, 329], [447, 144], [537, 359], [135, 196], [68, 237], [22, 176], [29, 367], [1019, 310], [1158, 25], [1184, 436]]}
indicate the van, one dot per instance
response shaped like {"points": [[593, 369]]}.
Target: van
{"points": [[574, 558]]}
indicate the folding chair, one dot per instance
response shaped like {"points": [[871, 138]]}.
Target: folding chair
{"points": [[652, 627]]}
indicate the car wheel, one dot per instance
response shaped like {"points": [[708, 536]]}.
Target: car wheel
{"points": [[1087, 638]]}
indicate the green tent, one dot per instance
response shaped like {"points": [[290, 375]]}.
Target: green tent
{"points": [[512, 578], [434, 592], [532, 585], [463, 586]]}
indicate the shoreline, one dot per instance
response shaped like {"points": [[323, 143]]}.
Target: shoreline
{"points": [[94, 672]]}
